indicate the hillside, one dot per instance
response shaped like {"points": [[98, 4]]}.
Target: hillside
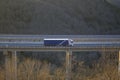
{"points": [[58, 17]]}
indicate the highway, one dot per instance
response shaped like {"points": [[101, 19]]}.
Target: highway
{"points": [[76, 44], [81, 42], [56, 36], [34, 38]]}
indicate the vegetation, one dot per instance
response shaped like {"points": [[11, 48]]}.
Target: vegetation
{"points": [[58, 17], [105, 68]]}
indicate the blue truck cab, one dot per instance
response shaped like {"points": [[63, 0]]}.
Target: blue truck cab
{"points": [[58, 42]]}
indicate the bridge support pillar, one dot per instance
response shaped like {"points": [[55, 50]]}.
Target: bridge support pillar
{"points": [[14, 65], [7, 65], [10, 65], [68, 64], [119, 64]]}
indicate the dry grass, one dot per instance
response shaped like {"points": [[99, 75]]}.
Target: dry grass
{"points": [[2, 74], [37, 70], [32, 69]]}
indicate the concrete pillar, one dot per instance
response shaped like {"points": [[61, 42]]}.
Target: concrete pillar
{"points": [[68, 64], [10, 65], [7, 65], [119, 64], [14, 65]]}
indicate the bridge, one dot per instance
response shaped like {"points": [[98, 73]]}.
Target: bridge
{"points": [[11, 44]]}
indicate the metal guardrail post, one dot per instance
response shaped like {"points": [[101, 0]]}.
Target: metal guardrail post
{"points": [[68, 64]]}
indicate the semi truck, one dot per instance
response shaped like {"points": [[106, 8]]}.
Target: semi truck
{"points": [[58, 42]]}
